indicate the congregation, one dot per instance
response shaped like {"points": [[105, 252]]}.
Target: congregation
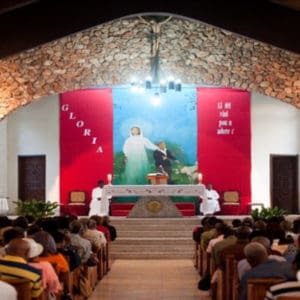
{"points": [[59, 257], [229, 256], [248, 259]]}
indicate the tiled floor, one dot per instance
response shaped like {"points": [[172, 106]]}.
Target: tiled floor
{"points": [[150, 280]]}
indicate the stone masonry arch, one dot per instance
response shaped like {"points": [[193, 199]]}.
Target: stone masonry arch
{"points": [[111, 53]]}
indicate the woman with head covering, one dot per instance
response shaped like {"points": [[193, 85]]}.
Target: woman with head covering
{"points": [[50, 253], [50, 279]]}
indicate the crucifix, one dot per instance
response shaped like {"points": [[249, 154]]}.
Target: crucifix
{"points": [[155, 43]]}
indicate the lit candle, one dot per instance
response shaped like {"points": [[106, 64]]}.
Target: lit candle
{"points": [[200, 177], [109, 178]]}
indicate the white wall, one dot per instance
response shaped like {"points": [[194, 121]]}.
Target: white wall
{"points": [[3, 160], [275, 130], [33, 130]]}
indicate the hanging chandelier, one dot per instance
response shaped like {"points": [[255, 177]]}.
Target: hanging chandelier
{"points": [[163, 86]]}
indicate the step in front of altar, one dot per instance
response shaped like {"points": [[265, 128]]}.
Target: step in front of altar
{"points": [[154, 238], [123, 209]]}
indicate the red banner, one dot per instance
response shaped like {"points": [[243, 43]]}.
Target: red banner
{"points": [[86, 146], [224, 142]]}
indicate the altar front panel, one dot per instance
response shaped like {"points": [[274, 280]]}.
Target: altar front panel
{"points": [[149, 190]]}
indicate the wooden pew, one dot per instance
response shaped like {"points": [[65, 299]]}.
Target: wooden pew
{"points": [[67, 281], [235, 281], [205, 262], [217, 285], [107, 256], [73, 282], [288, 297], [100, 267], [105, 259], [231, 278], [257, 287], [90, 272], [196, 255], [76, 274], [212, 265], [200, 260]]}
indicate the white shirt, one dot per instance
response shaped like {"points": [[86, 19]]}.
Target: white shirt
{"points": [[211, 205], [95, 204], [99, 207], [212, 194], [8, 292]]}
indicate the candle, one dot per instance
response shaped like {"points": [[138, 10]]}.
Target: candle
{"points": [[200, 177], [109, 178]]}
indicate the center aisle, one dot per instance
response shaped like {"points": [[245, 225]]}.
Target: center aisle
{"points": [[151, 279]]}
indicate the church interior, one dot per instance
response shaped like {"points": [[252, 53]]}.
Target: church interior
{"points": [[217, 83]]}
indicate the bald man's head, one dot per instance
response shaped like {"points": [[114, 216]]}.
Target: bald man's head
{"points": [[255, 253], [18, 247]]}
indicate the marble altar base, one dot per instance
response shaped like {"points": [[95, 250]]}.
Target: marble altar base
{"points": [[154, 207]]}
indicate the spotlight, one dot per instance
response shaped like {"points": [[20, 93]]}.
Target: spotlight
{"points": [[163, 86], [178, 86], [171, 83], [148, 82]]}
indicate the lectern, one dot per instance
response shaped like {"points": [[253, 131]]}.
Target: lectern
{"points": [[157, 178]]}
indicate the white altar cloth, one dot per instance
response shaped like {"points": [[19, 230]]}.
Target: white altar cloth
{"points": [[149, 190], [3, 206]]}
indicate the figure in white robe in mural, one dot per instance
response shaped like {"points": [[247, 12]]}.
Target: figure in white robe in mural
{"points": [[210, 205], [136, 160]]}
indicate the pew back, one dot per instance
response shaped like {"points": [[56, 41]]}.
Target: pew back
{"points": [[257, 287], [288, 297]]}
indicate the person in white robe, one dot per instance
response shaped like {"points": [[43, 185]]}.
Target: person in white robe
{"points": [[210, 205], [96, 202]]}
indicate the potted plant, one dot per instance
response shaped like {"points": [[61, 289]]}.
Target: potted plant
{"points": [[36, 208], [266, 213]]}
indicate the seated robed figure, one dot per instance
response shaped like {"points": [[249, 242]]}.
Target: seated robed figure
{"points": [[210, 205]]}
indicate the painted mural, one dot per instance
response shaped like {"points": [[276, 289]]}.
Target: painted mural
{"points": [[142, 121]]}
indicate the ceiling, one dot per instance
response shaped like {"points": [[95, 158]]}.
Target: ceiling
{"points": [[28, 23]]}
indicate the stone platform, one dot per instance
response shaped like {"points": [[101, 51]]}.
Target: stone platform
{"points": [[148, 238]]}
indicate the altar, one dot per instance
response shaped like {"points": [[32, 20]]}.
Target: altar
{"points": [[149, 190]]}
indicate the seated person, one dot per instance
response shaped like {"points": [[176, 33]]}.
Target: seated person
{"points": [[210, 205], [8, 235], [50, 279], [288, 288], [84, 246], [14, 265], [111, 228], [96, 237], [263, 267], [244, 266], [50, 252], [97, 204], [63, 245]]}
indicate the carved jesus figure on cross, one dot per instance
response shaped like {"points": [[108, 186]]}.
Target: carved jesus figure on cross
{"points": [[155, 33]]}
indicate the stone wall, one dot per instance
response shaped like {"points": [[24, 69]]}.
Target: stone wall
{"points": [[111, 53]]}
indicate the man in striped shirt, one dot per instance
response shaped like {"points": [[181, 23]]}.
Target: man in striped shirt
{"points": [[14, 265]]}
